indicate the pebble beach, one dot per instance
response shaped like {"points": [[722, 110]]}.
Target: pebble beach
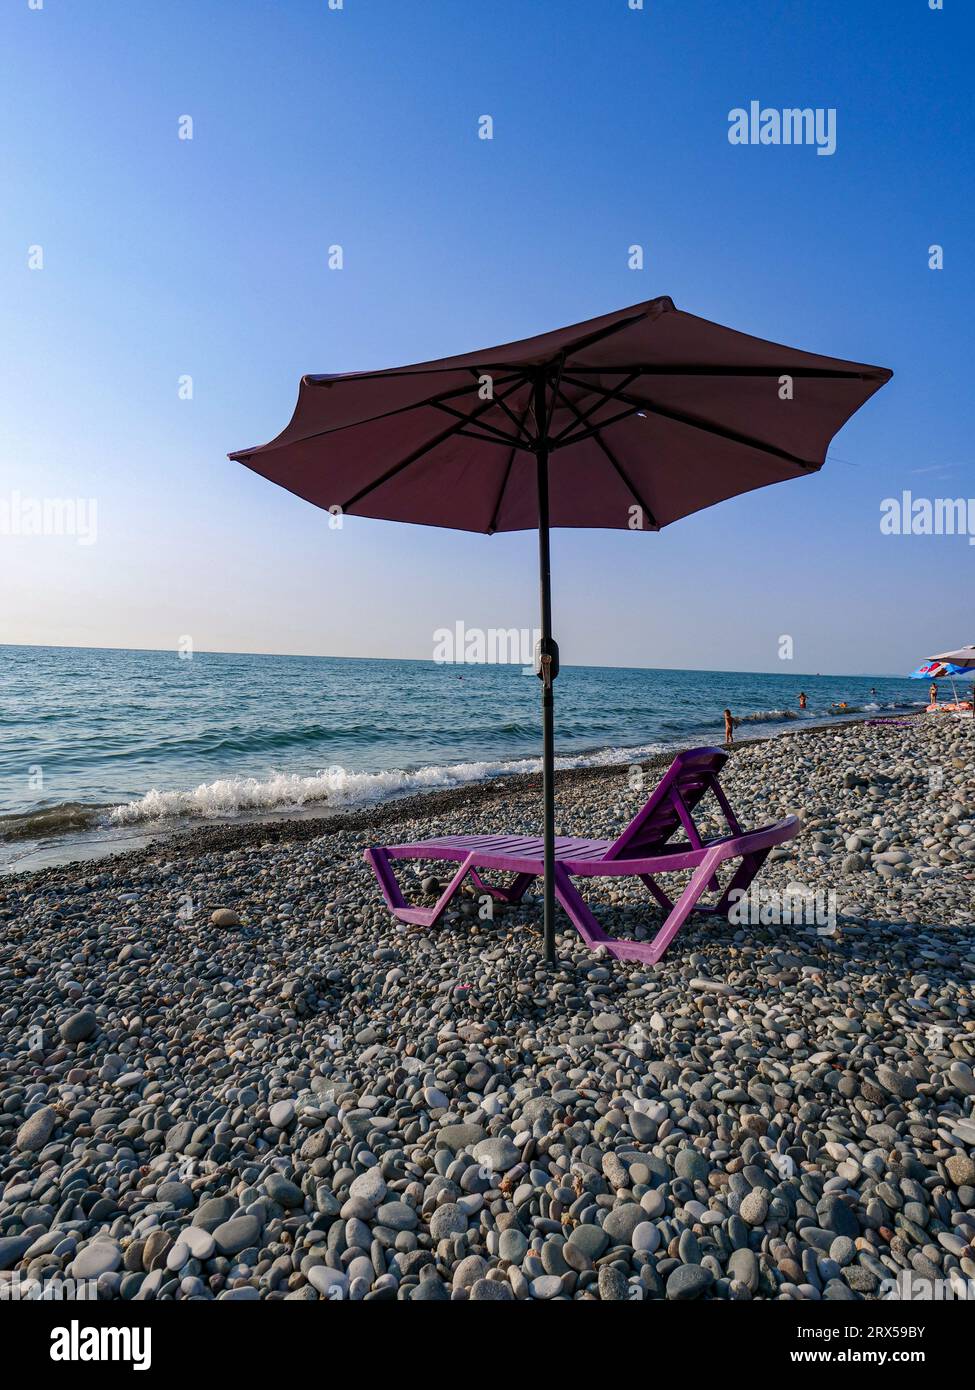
{"points": [[226, 1072]]}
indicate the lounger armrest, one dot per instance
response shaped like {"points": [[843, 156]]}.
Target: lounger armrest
{"points": [[765, 838]]}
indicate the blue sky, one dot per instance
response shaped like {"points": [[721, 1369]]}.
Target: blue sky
{"points": [[209, 257]]}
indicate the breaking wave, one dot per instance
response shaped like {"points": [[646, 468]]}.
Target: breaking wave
{"points": [[51, 820], [337, 786], [769, 716]]}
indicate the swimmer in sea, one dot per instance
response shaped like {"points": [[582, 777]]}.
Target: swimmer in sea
{"points": [[802, 699]]}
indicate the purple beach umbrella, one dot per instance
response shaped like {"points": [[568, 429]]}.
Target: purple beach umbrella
{"points": [[629, 421]]}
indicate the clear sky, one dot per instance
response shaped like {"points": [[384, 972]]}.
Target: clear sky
{"points": [[208, 258]]}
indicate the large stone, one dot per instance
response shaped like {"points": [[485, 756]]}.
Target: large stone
{"points": [[284, 1192], [612, 1285], [398, 1216], [211, 1213], [432, 1290], [691, 1165], [176, 1194], [456, 1137], [688, 1281], [79, 1027], [12, 1249], [225, 917], [896, 1082], [646, 1237], [491, 1291], [179, 1136], [237, 1234], [961, 1170], [754, 1208], [743, 1267], [36, 1130], [199, 1242], [447, 1221], [512, 1245], [100, 1257], [546, 1286], [282, 1113], [330, 1283], [607, 1023], [592, 1240], [498, 1155], [467, 1273], [835, 1215], [156, 1250], [622, 1221], [369, 1187]]}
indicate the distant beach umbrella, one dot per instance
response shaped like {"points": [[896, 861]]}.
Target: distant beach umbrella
{"points": [[938, 670], [964, 656], [629, 421], [963, 660]]}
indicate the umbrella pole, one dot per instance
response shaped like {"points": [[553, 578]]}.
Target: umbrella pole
{"points": [[548, 668]]}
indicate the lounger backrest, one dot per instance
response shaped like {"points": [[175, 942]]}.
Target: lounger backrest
{"points": [[671, 807]]}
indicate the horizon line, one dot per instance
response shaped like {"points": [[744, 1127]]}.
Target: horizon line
{"points": [[429, 661]]}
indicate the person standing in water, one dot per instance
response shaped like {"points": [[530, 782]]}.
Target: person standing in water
{"points": [[802, 699], [729, 727]]}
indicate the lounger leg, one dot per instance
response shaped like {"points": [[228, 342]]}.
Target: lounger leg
{"points": [[590, 930], [593, 934], [378, 860], [578, 913], [685, 905], [746, 871], [420, 916], [657, 892], [512, 894]]}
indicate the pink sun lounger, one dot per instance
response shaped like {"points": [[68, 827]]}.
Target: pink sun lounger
{"points": [[643, 851]]}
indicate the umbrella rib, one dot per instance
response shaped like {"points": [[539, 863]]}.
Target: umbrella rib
{"points": [[690, 369], [680, 418], [584, 416], [507, 474], [518, 424], [421, 369], [369, 419], [564, 440], [505, 441], [500, 436], [556, 392], [418, 453], [634, 491], [597, 337], [518, 372]]}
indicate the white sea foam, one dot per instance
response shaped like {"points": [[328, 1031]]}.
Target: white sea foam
{"points": [[769, 716], [337, 786]]}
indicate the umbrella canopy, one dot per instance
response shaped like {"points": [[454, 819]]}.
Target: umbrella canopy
{"points": [[939, 670], [648, 407], [632, 420], [964, 656]]}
